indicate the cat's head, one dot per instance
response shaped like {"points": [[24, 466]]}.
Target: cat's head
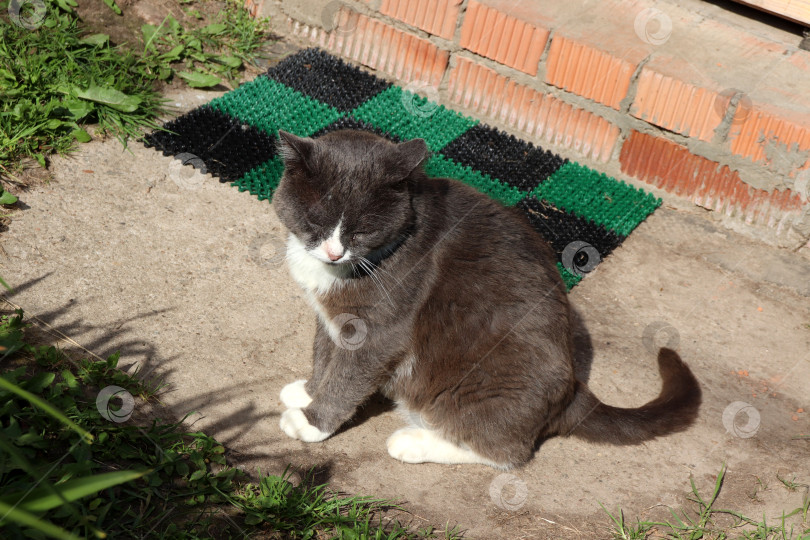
{"points": [[347, 194]]}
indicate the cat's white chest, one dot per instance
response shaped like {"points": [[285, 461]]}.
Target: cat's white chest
{"points": [[316, 278], [312, 275]]}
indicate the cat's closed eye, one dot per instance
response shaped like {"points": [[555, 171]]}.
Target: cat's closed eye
{"points": [[358, 237]]}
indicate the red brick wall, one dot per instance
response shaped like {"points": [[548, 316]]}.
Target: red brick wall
{"points": [[696, 107]]}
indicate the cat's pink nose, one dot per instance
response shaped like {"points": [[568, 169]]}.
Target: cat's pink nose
{"points": [[333, 249]]}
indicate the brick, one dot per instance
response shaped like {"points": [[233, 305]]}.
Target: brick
{"points": [[686, 89], [379, 46], [545, 117], [673, 168], [677, 105], [588, 71], [254, 7], [767, 137], [502, 37], [438, 17]]}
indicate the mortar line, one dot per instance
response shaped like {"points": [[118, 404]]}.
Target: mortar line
{"points": [[627, 101]]}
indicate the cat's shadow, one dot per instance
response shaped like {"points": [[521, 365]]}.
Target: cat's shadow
{"points": [[583, 347], [378, 404]]}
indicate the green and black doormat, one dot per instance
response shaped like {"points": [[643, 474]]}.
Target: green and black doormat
{"points": [[582, 213]]}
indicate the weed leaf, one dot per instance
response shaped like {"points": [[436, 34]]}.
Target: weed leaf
{"points": [[97, 40], [198, 79], [213, 29], [110, 97], [81, 135], [7, 198], [228, 60], [174, 54], [77, 108], [112, 5]]}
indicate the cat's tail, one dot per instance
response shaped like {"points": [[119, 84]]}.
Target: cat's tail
{"points": [[675, 408]]}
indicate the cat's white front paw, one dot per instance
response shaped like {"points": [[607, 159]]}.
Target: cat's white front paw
{"points": [[295, 425], [410, 445], [295, 396]]}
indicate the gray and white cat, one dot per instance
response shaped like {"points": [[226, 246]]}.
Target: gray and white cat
{"points": [[457, 309]]}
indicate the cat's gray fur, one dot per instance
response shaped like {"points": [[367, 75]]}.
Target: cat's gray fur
{"points": [[466, 319]]}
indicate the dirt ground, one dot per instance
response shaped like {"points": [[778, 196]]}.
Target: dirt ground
{"points": [[126, 251]]}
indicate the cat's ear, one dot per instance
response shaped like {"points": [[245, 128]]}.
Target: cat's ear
{"points": [[410, 155], [295, 150]]}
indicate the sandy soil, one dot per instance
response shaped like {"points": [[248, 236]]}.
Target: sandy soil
{"points": [[125, 251]]}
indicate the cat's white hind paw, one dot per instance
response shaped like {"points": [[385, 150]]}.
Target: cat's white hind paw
{"points": [[295, 396], [419, 445], [409, 445], [295, 425]]}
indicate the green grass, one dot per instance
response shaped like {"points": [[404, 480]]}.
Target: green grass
{"points": [[66, 471], [56, 79], [699, 521], [208, 55], [791, 483]]}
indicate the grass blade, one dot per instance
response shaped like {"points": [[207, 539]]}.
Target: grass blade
{"points": [[46, 407], [30, 520], [41, 499]]}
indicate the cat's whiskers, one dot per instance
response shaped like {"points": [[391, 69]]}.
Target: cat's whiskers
{"points": [[370, 268], [374, 278], [369, 271], [381, 272], [374, 267], [383, 276]]}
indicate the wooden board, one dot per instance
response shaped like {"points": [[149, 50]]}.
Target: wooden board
{"points": [[795, 10]]}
